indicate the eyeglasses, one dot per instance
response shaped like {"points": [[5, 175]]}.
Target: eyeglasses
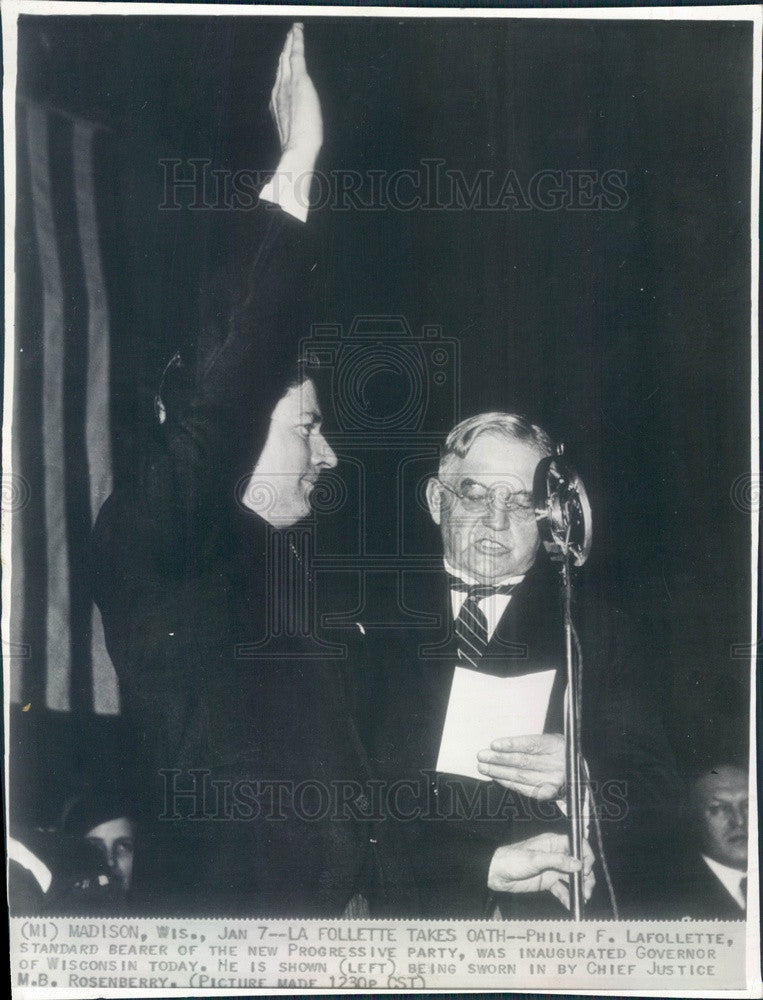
{"points": [[475, 497]]}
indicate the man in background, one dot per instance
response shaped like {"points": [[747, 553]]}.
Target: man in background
{"points": [[106, 821], [82, 865], [707, 879]]}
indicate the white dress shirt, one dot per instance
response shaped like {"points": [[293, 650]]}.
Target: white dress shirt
{"points": [[289, 186], [730, 879]]}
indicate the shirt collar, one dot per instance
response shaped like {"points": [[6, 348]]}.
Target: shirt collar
{"points": [[471, 582], [493, 606], [730, 878]]}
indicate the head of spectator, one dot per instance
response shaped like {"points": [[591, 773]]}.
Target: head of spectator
{"points": [[55, 874], [105, 821], [718, 802]]}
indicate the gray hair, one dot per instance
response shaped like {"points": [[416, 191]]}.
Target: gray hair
{"points": [[513, 426]]}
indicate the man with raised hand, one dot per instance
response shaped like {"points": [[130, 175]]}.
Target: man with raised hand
{"points": [[239, 750]]}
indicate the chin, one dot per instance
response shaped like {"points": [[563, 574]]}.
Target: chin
{"points": [[488, 576], [492, 574], [732, 855], [737, 860], [490, 567], [302, 513]]}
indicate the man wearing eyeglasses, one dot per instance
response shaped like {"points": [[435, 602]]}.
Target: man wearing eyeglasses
{"points": [[499, 846]]}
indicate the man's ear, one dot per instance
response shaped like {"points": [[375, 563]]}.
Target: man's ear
{"points": [[434, 494]]}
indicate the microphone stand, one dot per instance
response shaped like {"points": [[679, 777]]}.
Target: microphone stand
{"points": [[572, 741], [563, 516]]}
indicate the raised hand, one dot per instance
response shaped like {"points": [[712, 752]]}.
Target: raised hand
{"points": [[294, 101]]}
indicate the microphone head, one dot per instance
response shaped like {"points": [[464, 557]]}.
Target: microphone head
{"points": [[562, 510]]}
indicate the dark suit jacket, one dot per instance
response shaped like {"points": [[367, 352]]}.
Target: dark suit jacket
{"points": [[631, 766], [687, 887], [183, 578]]}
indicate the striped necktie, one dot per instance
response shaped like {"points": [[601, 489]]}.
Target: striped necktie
{"points": [[471, 625]]}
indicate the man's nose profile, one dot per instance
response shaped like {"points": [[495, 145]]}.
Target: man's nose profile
{"points": [[324, 455]]}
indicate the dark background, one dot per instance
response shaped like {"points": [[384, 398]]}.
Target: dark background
{"points": [[625, 333]]}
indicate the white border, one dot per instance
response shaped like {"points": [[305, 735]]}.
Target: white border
{"points": [[11, 9], [742, 12], [753, 971]]}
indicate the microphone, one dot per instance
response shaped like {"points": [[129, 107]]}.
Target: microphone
{"points": [[563, 516], [562, 510]]}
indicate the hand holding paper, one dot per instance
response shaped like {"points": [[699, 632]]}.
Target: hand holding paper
{"points": [[532, 765], [483, 708]]}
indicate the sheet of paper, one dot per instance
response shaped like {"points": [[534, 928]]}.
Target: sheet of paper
{"points": [[484, 708]]}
